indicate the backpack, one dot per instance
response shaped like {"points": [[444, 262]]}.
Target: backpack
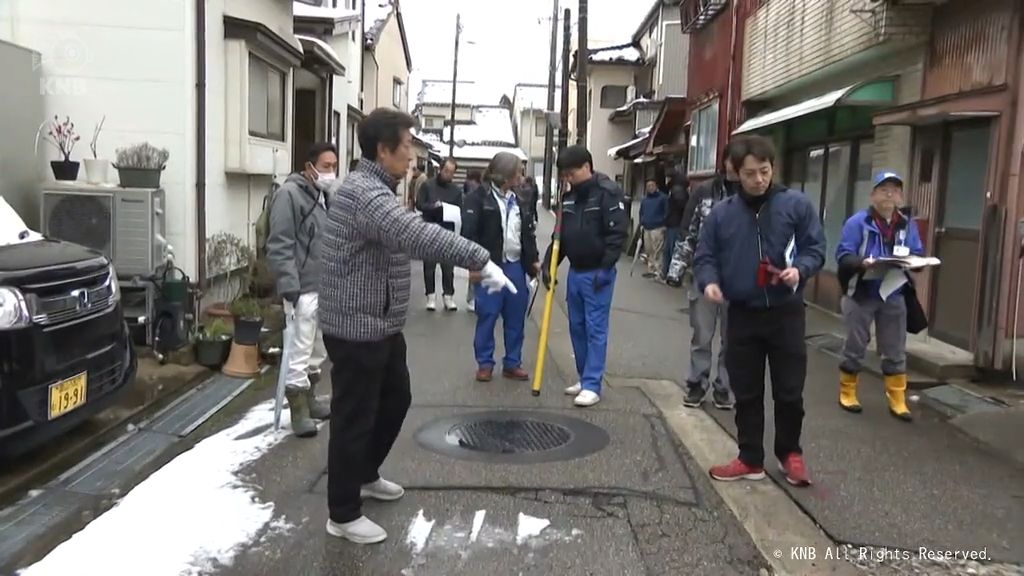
{"points": [[262, 279]]}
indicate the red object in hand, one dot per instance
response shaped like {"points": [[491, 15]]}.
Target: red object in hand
{"points": [[767, 274]]}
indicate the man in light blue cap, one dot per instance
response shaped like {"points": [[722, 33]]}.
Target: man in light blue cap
{"points": [[883, 230]]}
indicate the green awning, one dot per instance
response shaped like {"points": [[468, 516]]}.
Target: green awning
{"points": [[874, 93]]}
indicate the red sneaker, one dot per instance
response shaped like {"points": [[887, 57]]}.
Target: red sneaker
{"points": [[736, 470], [795, 471]]}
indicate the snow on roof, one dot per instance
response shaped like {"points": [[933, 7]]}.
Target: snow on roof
{"points": [[629, 105], [532, 97], [303, 10], [468, 93], [468, 151], [329, 52], [377, 13], [626, 53], [492, 125]]}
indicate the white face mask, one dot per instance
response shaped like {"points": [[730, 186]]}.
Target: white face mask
{"points": [[323, 181]]}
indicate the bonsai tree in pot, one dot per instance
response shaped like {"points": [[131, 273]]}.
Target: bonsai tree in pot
{"points": [[96, 167], [213, 342], [63, 137], [140, 165]]}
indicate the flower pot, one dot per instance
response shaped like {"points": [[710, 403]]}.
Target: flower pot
{"points": [[213, 353], [96, 170], [64, 169], [247, 331], [139, 177]]}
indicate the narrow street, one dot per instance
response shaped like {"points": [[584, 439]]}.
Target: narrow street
{"points": [[250, 501]]}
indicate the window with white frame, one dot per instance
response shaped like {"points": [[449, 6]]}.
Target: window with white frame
{"points": [[396, 93], [266, 100], [704, 139], [613, 96]]}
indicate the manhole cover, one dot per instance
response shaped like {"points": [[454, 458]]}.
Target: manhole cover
{"points": [[509, 436], [512, 437]]}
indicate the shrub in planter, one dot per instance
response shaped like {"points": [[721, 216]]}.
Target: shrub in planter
{"points": [[140, 165], [213, 343], [248, 317], [63, 137]]}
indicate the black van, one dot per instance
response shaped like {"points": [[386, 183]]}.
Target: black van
{"points": [[65, 351]]}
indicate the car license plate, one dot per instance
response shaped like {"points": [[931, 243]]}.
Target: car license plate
{"points": [[67, 395]]}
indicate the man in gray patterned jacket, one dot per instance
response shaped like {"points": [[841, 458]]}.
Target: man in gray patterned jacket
{"points": [[364, 299], [705, 315]]}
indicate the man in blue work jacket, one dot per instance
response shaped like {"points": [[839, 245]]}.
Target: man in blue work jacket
{"points": [[653, 209], [594, 230], [757, 250]]}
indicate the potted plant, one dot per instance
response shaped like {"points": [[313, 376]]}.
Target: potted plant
{"points": [[96, 167], [140, 165], [213, 343], [63, 137], [248, 318], [227, 255]]}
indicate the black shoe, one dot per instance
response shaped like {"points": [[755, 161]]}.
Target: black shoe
{"points": [[694, 397], [722, 400]]}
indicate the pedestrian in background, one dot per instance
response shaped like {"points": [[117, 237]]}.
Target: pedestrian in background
{"points": [[430, 199], [418, 179], [298, 213], [594, 231], [653, 209], [757, 250], [705, 315], [678, 196], [473, 181], [876, 232], [528, 193], [495, 217], [364, 299]]}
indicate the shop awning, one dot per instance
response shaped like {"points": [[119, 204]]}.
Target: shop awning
{"points": [[633, 148], [978, 104], [667, 134], [874, 93], [320, 54]]}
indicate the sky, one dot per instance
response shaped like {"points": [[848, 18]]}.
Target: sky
{"points": [[504, 42]]}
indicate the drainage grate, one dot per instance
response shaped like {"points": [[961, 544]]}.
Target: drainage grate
{"points": [[509, 436], [512, 437]]}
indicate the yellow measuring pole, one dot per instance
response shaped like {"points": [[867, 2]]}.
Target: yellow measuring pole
{"points": [[549, 299]]}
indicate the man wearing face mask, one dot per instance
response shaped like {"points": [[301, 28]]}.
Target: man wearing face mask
{"points": [[429, 199], [298, 211]]}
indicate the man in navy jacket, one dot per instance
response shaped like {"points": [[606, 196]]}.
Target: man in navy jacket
{"points": [[757, 250]]}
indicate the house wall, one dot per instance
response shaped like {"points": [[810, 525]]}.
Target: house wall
{"points": [[530, 143], [787, 40], [20, 118], [602, 134], [347, 89], [108, 57], [390, 65]]}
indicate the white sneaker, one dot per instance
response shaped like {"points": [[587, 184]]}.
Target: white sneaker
{"points": [[586, 398], [431, 302], [382, 490], [574, 390], [471, 306], [360, 531], [449, 304]]}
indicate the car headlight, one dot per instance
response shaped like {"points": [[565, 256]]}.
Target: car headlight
{"points": [[13, 310], [115, 286]]}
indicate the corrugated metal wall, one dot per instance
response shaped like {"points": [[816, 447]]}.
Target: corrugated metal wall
{"points": [[675, 50], [970, 47]]}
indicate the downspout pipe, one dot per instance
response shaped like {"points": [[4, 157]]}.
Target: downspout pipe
{"points": [[201, 142]]}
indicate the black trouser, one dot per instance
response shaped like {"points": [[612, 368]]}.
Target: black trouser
{"points": [[775, 334], [370, 381], [447, 278]]}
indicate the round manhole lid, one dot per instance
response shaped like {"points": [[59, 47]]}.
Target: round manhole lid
{"points": [[512, 437], [509, 435]]}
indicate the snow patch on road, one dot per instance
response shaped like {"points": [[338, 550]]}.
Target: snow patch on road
{"points": [[530, 527], [419, 532], [187, 518], [478, 523]]}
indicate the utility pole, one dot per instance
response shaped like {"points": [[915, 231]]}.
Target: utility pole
{"points": [[582, 100], [548, 136], [455, 84], [563, 129]]}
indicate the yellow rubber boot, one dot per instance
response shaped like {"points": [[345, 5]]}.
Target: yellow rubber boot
{"points": [[848, 392], [896, 392]]}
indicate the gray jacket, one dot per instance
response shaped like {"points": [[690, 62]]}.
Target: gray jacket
{"points": [[364, 291], [298, 214]]}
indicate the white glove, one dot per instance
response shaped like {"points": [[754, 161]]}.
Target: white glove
{"points": [[494, 279]]}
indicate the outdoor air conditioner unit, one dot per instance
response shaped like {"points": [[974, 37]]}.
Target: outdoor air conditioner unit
{"points": [[127, 225]]}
